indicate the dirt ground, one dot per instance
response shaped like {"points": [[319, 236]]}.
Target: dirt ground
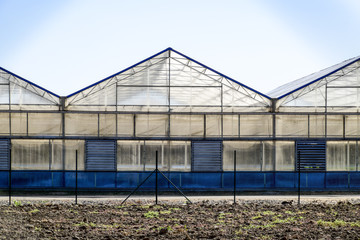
{"points": [[201, 220]]}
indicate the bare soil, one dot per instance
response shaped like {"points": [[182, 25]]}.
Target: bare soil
{"points": [[202, 220]]}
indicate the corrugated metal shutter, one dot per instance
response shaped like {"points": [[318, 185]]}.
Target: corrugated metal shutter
{"points": [[206, 156], [4, 154], [312, 155], [100, 155]]}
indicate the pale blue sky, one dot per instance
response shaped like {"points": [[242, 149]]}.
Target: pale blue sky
{"points": [[65, 45]]}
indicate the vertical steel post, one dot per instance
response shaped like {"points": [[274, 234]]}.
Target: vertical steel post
{"points": [[298, 170], [234, 177], [10, 177], [76, 177], [156, 179]]}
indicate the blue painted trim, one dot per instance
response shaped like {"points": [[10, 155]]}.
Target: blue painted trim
{"points": [[170, 49], [326, 75], [23, 79]]}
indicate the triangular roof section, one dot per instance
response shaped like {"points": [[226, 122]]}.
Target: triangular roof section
{"points": [[168, 78], [19, 91], [314, 89]]}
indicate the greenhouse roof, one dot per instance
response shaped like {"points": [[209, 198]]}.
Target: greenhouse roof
{"points": [[303, 82]]}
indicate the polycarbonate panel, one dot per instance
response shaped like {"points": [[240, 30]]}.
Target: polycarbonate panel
{"points": [[125, 125], [45, 124], [195, 96], [256, 125], [129, 156], [334, 126], [81, 124], [4, 124], [21, 96], [342, 156], [4, 94], [352, 126], [313, 96], [285, 156], [178, 154], [292, 125], [19, 124], [187, 125], [317, 125], [56, 155], [339, 97], [155, 125], [30, 155], [230, 125], [71, 146], [268, 156], [213, 126], [149, 155], [104, 98], [107, 125], [142, 96]]}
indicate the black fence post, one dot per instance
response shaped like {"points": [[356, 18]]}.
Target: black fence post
{"points": [[234, 177], [156, 179], [298, 170], [10, 177], [76, 178]]}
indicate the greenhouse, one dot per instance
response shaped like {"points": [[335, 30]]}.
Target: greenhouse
{"points": [[202, 125]]}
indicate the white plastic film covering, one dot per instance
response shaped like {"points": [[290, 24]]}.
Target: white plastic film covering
{"points": [[19, 124], [81, 124], [317, 126], [334, 126], [285, 156], [231, 125], [44, 124], [256, 125], [213, 126], [151, 125], [292, 125], [342, 156], [30, 154], [187, 125], [250, 156], [125, 125], [56, 155], [4, 124], [107, 125], [71, 146]]}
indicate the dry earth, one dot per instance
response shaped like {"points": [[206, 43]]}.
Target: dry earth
{"points": [[201, 220]]}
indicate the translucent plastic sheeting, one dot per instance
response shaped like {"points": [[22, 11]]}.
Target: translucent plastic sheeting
{"points": [[44, 124], [250, 155], [213, 125], [71, 146], [81, 124], [285, 156], [187, 125], [4, 124], [342, 156], [316, 126], [231, 125], [125, 125], [141, 155], [151, 125], [256, 125], [36, 155], [335, 125], [292, 125], [352, 126], [107, 125], [19, 124], [170, 81]]}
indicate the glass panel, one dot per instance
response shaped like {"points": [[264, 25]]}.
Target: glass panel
{"points": [[336, 156], [178, 153], [334, 125], [213, 125], [81, 124], [256, 125], [187, 125], [285, 156], [30, 154], [125, 125], [292, 125], [18, 123], [248, 156], [149, 155], [4, 124], [45, 124], [107, 125], [151, 125], [268, 162], [129, 155], [70, 154], [317, 125], [231, 125]]}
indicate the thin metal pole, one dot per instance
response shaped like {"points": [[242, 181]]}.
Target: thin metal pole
{"points": [[175, 186], [76, 177], [156, 179], [234, 177], [10, 177], [298, 159]]}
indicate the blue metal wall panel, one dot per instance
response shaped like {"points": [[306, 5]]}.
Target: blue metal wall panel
{"points": [[337, 180], [284, 180], [31, 179], [4, 179], [354, 179], [105, 179], [127, 179], [201, 180]]}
